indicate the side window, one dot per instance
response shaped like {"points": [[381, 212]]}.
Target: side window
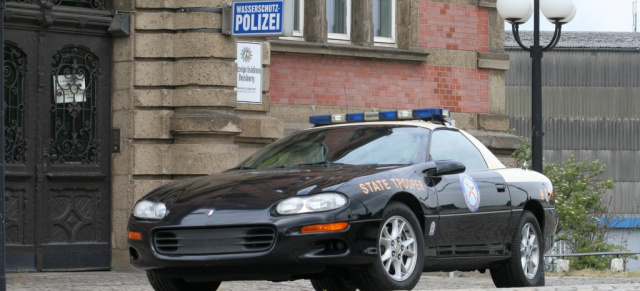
{"points": [[452, 145]]}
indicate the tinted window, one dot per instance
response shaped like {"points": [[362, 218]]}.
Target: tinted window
{"points": [[353, 145], [452, 145]]}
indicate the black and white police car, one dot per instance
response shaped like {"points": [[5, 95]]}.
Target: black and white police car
{"points": [[362, 200]]}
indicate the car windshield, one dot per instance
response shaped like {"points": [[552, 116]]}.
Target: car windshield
{"points": [[351, 145]]}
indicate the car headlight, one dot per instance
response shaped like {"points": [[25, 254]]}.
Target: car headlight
{"points": [[313, 203], [150, 210]]}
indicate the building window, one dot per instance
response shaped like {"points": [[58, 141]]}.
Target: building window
{"points": [[338, 19], [384, 21], [298, 17]]}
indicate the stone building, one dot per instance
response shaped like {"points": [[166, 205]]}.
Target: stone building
{"points": [[105, 119]]}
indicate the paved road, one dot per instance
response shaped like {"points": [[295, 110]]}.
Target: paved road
{"points": [[112, 281]]}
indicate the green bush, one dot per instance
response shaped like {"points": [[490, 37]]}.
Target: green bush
{"points": [[578, 188]]}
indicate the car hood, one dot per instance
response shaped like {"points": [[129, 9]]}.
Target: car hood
{"points": [[257, 189]]}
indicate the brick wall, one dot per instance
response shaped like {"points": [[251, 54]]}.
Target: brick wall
{"points": [[456, 27], [305, 80]]}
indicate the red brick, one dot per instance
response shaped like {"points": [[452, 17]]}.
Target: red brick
{"points": [[376, 84]]}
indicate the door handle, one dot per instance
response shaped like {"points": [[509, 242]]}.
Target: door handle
{"points": [[500, 187]]}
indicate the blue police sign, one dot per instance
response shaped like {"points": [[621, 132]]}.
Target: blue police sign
{"points": [[258, 18]]}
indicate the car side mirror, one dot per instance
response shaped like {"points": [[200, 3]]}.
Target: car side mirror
{"points": [[442, 167]]}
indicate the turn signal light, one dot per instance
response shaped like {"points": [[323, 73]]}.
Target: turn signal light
{"points": [[135, 235], [336, 226]]}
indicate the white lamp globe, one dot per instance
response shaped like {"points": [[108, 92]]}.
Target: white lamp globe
{"points": [[527, 17], [514, 10], [571, 16], [556, 9], [568, 19]]}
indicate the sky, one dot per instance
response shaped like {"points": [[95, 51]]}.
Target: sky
{"points": [[593, 15]]}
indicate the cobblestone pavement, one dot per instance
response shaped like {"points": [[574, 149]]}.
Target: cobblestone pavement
{"points": [[111, 281]]}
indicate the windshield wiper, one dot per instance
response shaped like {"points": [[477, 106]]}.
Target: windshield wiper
{"points": [[242, 168], [323, 163]]}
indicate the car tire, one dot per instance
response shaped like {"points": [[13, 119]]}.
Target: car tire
{"points": [[400, 253], [332, 284], [525, 268], [162, 283]]}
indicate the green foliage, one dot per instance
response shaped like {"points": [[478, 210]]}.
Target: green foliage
{"points": [[523, 154], [578, 189]]}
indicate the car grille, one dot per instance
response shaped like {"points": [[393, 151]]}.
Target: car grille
{"points": [[213, 241]]}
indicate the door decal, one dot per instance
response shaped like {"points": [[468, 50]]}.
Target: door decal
{"points": [[471, 192]]}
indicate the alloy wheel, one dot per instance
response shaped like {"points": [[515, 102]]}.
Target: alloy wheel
{"points": [[398, 246], [529, 251]]}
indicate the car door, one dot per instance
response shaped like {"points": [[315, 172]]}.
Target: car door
{"points": [[474, 206]]}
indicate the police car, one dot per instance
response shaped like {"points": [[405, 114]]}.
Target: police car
{"points": [[362, 200]]}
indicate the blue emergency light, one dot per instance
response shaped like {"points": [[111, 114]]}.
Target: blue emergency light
{"points": [[423, 114], [320, 119], [355, 117]]}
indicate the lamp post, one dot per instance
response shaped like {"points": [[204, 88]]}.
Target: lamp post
{"points": [[517, 12]]}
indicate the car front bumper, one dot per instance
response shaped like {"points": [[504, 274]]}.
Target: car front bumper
{"points": [[290, 255]]}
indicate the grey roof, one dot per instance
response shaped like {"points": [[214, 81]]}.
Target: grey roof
{"points": [[574, 39]]}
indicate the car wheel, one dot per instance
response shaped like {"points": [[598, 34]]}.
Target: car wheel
{"points": [[526, 266], [162, 283], [332, 284], [400, 252]]}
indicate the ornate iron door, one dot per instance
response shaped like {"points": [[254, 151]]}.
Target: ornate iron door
{"points": [[20, 149], [57, 100]]}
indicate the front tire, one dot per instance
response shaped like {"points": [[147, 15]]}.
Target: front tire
{"points": [[400, 251], [162, 283], [526, 266]]}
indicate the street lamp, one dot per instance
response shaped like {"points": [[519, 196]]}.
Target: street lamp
{"points": [[517, 12]]}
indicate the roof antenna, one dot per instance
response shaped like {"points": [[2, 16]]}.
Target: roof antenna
{"points": [[344, 95]]}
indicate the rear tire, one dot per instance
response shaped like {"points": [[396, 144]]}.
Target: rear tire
{"points": [[526, 266], [400, 253], [162, 283], [332, 284]]}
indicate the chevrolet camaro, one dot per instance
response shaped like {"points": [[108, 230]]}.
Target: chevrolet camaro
{"points": [[363, 201]]}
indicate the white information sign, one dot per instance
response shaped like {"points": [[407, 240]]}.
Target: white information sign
{"points": [[69, 88], [249, 61]]}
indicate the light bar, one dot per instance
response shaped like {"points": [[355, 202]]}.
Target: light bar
{"points": [[388, 115], [430, 113], [338, 118], [355, 117], [320, 119], [423, 114], [371, 116], [405, 114]]}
